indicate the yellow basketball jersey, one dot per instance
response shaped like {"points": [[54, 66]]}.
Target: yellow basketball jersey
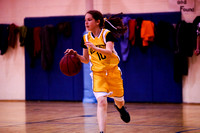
{"points": [[100, 62]]}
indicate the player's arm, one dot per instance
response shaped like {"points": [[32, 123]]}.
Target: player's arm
{"points": [[85, 57], [110, 39], [107, 51]]}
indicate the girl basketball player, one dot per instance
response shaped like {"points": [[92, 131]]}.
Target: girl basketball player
{"points": [[98, 48]]}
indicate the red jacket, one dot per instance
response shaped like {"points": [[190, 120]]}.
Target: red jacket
{"points": [[147, 32]]}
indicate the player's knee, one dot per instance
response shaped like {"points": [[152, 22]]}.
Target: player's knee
{"points": [[102, 102]]}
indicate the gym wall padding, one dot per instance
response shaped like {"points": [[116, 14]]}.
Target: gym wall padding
{"points": [[52, 84], [148, 77]]}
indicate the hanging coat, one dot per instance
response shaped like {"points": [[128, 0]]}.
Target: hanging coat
{"points": [[22, 34], [48, 43], [132, 25], [147, 32], [185, 39], [165, 35], [12, 37], [64, 28], [37, 41], [3, 38], [124, 41], [29, 46]]}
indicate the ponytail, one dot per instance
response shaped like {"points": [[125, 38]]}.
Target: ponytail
{"points": [[115, 25]]}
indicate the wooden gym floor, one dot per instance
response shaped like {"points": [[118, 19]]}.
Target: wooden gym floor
{"points": [[76, 117]]}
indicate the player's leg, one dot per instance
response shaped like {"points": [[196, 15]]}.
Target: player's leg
{"points": [[116, 86], [100, 91], [122, 110], [102, 112], [119, 104]]}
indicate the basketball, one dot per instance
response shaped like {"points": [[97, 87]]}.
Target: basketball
{"points": [[70, 64]]}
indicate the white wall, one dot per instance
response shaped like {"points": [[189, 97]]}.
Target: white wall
{"points": [[12, 64], [12, 70]]}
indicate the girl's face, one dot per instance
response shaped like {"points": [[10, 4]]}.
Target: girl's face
{"points": [[90, 23]]}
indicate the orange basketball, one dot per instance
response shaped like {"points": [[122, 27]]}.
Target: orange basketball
{"points": [[70, 64]]}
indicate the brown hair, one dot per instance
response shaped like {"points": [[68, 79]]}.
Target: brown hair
{"points": [[113, 23], [97, 16]]}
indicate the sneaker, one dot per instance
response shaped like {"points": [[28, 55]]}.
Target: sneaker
{"points": [[123, 114]]}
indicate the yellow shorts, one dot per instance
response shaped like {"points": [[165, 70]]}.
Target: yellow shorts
{"points": [[109, 81]]}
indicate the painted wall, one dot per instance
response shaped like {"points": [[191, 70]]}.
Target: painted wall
{"points": [[12, 70], [12, 64]]}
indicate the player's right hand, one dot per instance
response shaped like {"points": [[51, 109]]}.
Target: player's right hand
{"points": [[70, 51]]}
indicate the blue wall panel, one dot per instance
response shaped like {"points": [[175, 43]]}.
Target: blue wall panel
{"points": [[52, 84], [137, 76]]}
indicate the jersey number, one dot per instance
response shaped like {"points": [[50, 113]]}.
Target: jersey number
{"points": [[101, 57]]}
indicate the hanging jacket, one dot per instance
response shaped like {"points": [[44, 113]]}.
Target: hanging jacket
{"points": [[3, 38], [22, 34], [124, 41], [138, 39], [64, 28], [185, 38], [196, 22], [48, 43], [12, 37], [185, 42], [147, 32], [165, 35], [29, 46], [132, 25], [37, 41]]}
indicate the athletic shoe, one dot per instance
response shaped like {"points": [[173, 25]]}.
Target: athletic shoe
{"points": [[123, 114]]}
